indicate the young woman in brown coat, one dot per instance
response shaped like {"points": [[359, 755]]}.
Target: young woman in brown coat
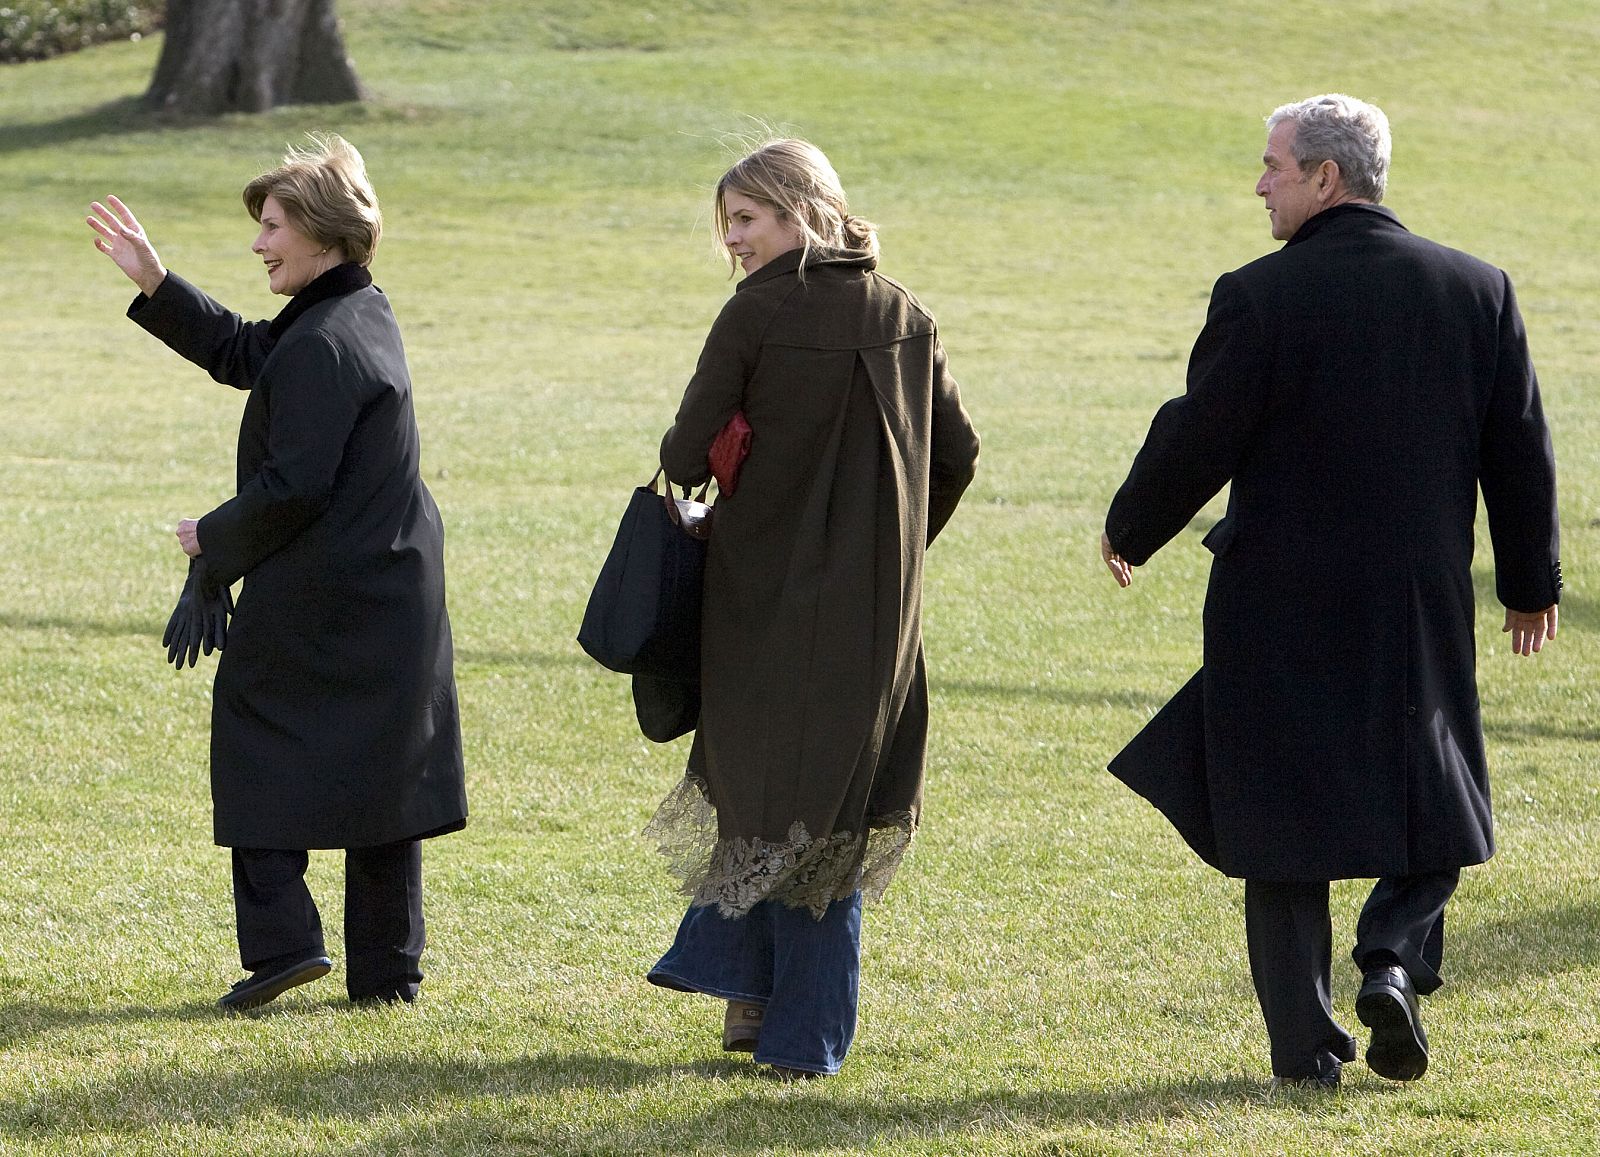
{"points": [[804, 782]]}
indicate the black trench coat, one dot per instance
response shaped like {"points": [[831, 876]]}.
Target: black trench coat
{"points": [[334, 721], [1357, 387]]}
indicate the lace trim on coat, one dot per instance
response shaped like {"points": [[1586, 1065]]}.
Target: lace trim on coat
{"points": [[736, 874]]}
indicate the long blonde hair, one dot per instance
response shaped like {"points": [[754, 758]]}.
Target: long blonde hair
{"points": [[795, 178]]}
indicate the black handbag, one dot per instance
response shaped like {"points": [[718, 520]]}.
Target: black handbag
{"points": [[666, 708], [643, 616]]}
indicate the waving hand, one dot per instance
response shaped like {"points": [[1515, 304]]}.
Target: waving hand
{"points": [[121, 238]]}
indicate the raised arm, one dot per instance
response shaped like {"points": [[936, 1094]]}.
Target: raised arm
{"points": [[194, 326]]}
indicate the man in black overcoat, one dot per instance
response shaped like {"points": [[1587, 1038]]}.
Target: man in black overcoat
{"points": [[1357, 387]]}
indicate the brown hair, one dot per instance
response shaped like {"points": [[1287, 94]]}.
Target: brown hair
{"points": [[326, 195]]}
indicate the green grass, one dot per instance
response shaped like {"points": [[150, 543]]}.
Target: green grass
{"points": [[1051, 973]]}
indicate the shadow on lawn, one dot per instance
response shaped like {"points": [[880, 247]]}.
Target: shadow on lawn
{"points": [[127, 114], [136, 1097], [100, 628], [1535, 942], [429, 1100], [821, 1116], [21, 1020], [1066, 696]]}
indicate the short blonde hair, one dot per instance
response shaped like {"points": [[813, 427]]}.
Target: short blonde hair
{"points": [[795, 178], [325, 192]]}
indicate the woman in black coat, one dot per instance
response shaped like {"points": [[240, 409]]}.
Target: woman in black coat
{"points": [[334, 719]]}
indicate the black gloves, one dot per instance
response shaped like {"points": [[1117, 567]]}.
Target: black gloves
{"points": [[200, 620]]}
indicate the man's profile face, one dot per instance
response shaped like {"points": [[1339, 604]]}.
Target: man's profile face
{"points": [[1291, 195]]}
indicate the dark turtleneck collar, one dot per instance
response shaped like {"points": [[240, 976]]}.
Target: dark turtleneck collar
{"points": [[1350, 210], [337, 282], [789, 262]]}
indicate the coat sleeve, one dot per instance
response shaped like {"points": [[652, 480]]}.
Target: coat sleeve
{"points": [[1517, 472], [312, 409], [715, 392], [953, 447], [1196, 441], [194, 326]]}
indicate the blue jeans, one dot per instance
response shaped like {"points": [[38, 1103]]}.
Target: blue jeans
{"points": [[805, 972]]}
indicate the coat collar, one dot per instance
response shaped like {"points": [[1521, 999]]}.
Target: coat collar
{"points": [[1350, 213], [790, 262], [337, 282]]}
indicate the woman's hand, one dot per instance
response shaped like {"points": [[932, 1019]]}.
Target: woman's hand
{"points": [[122, 239], [189, 537]]}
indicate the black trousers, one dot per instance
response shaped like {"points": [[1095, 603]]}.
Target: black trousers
{"points": [[384, 935], [1291, 958]]}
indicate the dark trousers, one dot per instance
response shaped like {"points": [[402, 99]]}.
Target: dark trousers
{"points": [[1291, 958], [384, 935]]}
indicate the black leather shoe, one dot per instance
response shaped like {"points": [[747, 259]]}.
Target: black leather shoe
{"points": [[268, 984], [1387, 1004], [1329, 1067]]}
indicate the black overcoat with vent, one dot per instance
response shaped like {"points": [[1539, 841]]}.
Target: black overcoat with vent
{"points": [[1357, 388]]}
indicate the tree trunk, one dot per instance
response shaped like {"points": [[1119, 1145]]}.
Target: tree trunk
{"points": [[249, 56]]}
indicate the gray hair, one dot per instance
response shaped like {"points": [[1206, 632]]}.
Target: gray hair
{"points": [[1351, 133]]}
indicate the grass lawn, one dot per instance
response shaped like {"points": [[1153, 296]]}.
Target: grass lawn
{"points": [[1052, 972]]}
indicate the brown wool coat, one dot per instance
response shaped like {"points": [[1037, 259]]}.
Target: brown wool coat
{"points": [[815, 707]]}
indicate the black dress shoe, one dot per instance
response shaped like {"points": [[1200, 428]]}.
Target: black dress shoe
{"points": [[1329, 1067], [1387, 1004], [270, 983]]}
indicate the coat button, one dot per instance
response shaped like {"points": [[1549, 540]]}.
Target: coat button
{"points": [[1411, 710]]}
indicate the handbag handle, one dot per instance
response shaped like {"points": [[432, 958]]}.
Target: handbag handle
{"points": [[690, 515], [660, 470]]}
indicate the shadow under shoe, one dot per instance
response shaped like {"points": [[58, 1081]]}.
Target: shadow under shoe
{"points": [[1387, 1004], [741, 1026]]}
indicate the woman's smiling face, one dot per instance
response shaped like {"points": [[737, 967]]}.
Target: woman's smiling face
{"points": [[755, 232], [293, 260]]}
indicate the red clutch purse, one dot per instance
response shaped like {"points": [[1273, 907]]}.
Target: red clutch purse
{"points": [[728, 451]]}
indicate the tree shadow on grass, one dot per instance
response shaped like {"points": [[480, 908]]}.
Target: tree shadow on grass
{"points": [[128, 114], [100, 628]]}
